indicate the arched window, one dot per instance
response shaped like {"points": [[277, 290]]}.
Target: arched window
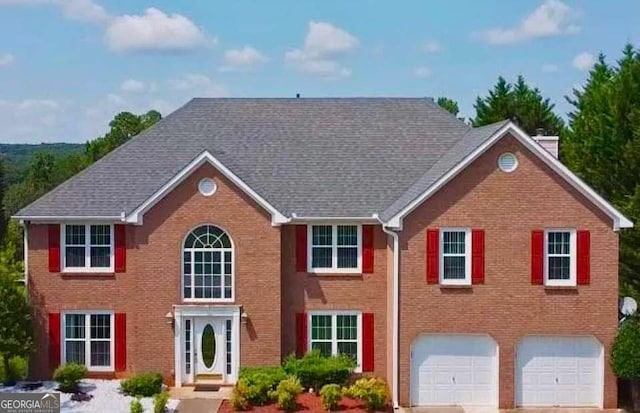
{"points": [[207, 267]]}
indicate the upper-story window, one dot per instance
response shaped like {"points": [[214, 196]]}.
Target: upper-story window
{"points": [[455, 256], [87, 247], [560, 257], [335, 248], [207, 266]]}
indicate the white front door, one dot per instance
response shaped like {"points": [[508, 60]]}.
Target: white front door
{"points": [[209, 348], [559, 371], [454, 370]]}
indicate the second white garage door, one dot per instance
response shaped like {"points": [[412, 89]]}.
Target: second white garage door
{"points": [[448, 370], [559, 371]]}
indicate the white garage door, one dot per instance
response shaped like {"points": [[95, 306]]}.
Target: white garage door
{"points": [[559, 371], [454, 370]]}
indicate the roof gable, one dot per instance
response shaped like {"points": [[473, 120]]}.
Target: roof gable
{"points": [[394, 217], [136, 216]]}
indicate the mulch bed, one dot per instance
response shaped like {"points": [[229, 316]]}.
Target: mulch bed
{"points": [[307, 402]]}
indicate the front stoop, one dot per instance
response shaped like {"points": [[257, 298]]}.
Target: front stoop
{"points": [[198, 406], [188, 393]]}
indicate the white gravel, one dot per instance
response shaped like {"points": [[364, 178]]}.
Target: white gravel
{"points": [[106, 397]]}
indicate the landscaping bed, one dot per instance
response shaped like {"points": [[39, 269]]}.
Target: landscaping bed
{"points": [[307, 402]]}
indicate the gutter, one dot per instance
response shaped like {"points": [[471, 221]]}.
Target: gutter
{"points": [[395, 315]]}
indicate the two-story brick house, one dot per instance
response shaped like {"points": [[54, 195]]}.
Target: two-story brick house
{"points": [[467, 266]]}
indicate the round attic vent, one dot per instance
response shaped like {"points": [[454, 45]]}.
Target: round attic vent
{"points": [[207, 186], [507, 162]]}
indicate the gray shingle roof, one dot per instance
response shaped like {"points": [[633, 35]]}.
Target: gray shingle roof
{"points": [[333, 157]]}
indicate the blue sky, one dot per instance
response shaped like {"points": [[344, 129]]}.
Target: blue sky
{"points": [[67, 66]]}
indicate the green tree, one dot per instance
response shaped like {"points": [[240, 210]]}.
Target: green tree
{"points": [[603, 147], [3, 218], [449, 105], [15, 327], [522, 104], [123, 127]]}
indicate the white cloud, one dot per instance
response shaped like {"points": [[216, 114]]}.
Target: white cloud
{"points": [[431, 47], [422, 72], [242, 59], [83, 10], [154, 31], [6, 59], [323, 44], [132, 86], [584, 61], [29, 120], [198, 85], [551, 18], [549, 68]]}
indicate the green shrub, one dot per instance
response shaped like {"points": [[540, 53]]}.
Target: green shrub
{"points": [[260, 381], [136, 406], [144, 385], [372, 391], [287, 392], [68, 376], [330, 394], [15, 371], [160, 402], [625, 354], [315, 370], [239, 397]]}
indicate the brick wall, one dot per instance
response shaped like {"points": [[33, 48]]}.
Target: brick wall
{"points": [[507, 306], [302, 292], [151, 285]]}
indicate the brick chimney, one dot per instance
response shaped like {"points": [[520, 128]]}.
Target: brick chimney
{"points": [[549, 143]]}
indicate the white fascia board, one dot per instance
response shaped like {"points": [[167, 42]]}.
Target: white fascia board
{"points": [[299, 219], [619, 220], [135, 217]]}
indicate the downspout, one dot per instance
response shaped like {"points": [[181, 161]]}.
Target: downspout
{"points": [[395, 313]]}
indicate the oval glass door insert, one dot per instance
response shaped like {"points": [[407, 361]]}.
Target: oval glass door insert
{"points": [[208, 346]]}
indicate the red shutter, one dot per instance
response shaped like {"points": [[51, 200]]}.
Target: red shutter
{"points": [[477, 256], [120, 243], [537, 256], [54, 248], [301, 334], [54, 340], [367, 249], [433, 265], [301, 248], [121, 341], [367, 342], [584, 257]]}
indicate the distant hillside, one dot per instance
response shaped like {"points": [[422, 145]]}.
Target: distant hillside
{"points": [[17, 156]]}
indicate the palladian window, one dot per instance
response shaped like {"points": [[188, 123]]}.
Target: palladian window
{"points": [[207, 265]]}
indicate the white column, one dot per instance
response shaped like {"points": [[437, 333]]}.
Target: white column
{"points": [[177, 335]]}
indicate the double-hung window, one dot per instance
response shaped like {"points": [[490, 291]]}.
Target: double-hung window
{"points": [[335, 248], [333, 333], [560, 257], [455, 256], [88, 247], [88, 339]]}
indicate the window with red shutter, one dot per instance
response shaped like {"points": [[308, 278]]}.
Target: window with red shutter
{"points": [[120, 244], [433, 256], [301, 334], [583, 276], [301, 248], [120, 341], [367, 249], [537, 257], [368, 355], [54, 339], [477, 256], [54, 247]]}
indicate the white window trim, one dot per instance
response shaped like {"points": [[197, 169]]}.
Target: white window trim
{"points": [[467, 256], [87, 249], [334, 329], [334, 250], [571, 282], [222, 251], [87, 340]]}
